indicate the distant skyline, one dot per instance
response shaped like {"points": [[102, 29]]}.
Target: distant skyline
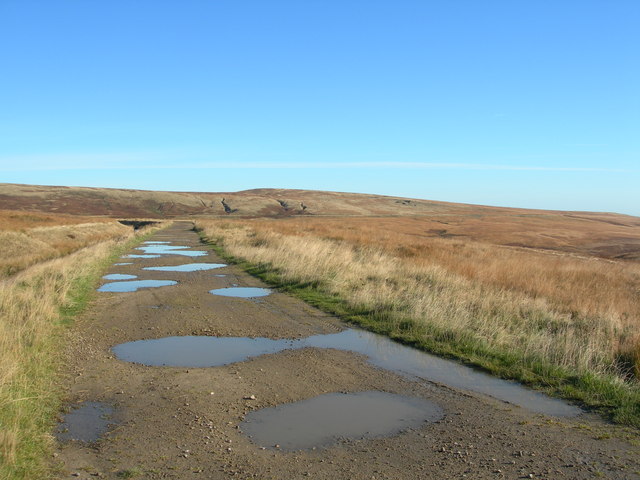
{"points": [[517, 104]]}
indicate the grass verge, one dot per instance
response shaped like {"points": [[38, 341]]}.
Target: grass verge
{"points": [[605, 392], [37, 306]]}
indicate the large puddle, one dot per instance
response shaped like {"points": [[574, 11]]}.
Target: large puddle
{"points": [[189, 267], [134, 255], [161, 249], [241, 292], [119, 276], [326, 419], [202, 351], [198, 351], [86, 423], [134, 285]]}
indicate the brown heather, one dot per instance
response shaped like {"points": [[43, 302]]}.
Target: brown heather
{"points": [[579, 312], [29, 238]]}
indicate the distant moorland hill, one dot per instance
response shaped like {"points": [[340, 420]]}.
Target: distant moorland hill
{"points": [[608, 235]]}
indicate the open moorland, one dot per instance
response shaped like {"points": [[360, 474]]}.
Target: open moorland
{"points": [[549, 298], [607, 235]]}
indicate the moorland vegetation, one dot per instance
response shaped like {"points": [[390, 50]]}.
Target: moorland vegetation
{"points": [[30, 237], [565, 323], [37, 305]]}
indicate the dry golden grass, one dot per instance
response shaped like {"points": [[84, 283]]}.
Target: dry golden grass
{"points": [[18, 220], [26, 242], [30, 305], [576, 312], [31, 313], [571, 283]]}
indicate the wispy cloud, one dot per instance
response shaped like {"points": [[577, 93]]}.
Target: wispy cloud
{"points": [[155, 161]]}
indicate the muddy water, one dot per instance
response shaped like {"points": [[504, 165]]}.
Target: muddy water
{"points": [[119, 276], [384, 352], [241, 292], [189, 267], [134, 285], [195, 351], [171, 250], [327, 419], [157, 248], [86, 423]]}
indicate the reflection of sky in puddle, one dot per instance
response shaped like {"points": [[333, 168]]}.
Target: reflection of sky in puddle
{"points": [[323, 420], [123, 263], [86, 423], [171, 250], [241, 292], [133, 255], [189, 267], [197, 351], [134, 285], [119, 276]]}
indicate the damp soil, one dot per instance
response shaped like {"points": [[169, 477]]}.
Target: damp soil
{"points": [[85, 423], [191, 423]]}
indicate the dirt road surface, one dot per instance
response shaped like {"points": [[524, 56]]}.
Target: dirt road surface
{"points": [[186, 423]]}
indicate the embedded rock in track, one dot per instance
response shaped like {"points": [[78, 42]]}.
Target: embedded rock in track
{"points": [[186, 422]]}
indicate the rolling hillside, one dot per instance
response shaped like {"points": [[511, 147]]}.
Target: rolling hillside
{"points": [[607, 235]]}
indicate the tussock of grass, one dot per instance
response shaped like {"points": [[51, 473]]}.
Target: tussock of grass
{"points": [[507, 331], [36, 305]]}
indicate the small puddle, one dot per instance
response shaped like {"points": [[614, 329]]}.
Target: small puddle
{"points": [[220, 275], [189, 267], [86, 423], [134, 285], [119, 276], [161, 248], [203, 351], [241, 292], [171, 250], [327, 419], [123, 263], [133, 255]]}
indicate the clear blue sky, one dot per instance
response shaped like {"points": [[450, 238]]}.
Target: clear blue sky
{"points": [[514, 103]]}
